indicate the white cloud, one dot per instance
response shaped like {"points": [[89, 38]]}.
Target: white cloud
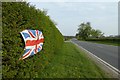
{"points": [[102, 7], [69, 15]]}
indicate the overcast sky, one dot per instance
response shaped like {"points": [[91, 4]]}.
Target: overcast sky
{"points": [[68, 15]]}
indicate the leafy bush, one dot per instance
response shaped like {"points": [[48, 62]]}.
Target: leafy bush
{"points": [[15, 18]]}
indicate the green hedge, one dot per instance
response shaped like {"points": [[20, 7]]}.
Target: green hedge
{"points": [[104, 39], [15, 18], [107, 40]]}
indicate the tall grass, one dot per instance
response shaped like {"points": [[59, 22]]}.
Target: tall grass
{"points": [[71, 62]]}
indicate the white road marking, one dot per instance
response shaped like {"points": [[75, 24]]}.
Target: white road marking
{"points": [[107, 64]]}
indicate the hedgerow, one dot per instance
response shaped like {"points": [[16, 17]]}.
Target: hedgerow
{"points": [[107, 40], [104, 39], [18, 16]]}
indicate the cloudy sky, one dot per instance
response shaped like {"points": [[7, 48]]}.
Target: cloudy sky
{"points": [[68, 15]]}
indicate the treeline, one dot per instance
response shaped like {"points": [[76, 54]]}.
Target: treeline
{"points": [[85, 31], [15, 18]]}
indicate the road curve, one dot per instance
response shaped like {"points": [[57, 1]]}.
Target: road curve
{"points": [[107, 53]]}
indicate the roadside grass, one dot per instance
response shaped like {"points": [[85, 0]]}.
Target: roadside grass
{"points": [[107, 42], [70, 62]]}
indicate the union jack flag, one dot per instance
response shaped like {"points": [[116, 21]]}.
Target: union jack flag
{"points": [[33, 42]]}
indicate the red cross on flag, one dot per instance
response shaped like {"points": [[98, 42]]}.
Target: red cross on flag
{"points": [[33, 42]]}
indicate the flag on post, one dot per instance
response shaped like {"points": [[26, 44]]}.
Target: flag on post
{"points": [[33, 42]]}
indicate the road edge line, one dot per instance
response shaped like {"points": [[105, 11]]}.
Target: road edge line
{"points": [[116, 71]]}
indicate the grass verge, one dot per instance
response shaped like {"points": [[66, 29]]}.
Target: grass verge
{"points": [[71, 63], [107, 42]]}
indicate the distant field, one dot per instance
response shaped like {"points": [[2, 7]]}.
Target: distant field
{"points": [[108, 43], [70, 62], [111, 41]]}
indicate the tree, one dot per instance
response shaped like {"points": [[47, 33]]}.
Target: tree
{"points": [[96, 33], [85, 31]]}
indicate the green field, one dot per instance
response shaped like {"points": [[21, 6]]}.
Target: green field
{"points": [[107, 42], [71, 63]]}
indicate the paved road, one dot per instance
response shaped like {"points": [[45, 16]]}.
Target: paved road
{"points": [[107, 53]]}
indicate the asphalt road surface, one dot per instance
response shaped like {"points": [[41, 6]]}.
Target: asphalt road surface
{"points": [[107, 53]]}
